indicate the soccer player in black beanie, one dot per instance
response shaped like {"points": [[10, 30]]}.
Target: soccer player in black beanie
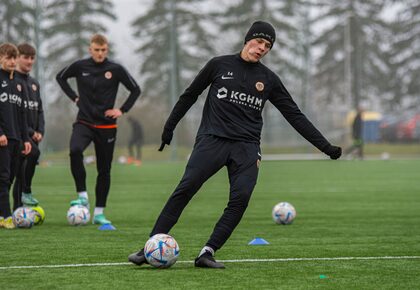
{"points": [[229, 135], [261, 29]]}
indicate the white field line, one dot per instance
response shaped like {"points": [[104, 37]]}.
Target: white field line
{"points": [[224, 261]]}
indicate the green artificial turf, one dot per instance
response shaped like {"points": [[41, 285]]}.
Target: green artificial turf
{"points": [[358, 209]]}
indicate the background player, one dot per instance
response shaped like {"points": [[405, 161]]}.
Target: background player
{"points": [[136, 140], [97, 80], [22, 189], [13, 128]]}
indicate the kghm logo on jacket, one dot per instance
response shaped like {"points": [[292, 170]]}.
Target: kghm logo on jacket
{"points": [[240, 98], [12, 98], [32, 105]]}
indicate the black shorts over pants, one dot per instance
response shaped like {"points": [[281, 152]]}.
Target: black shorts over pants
{"points": [[9, 159]]}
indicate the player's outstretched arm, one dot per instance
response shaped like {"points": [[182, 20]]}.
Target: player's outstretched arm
{"points": [[333, 151]]}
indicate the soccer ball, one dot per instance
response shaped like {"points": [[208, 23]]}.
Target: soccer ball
{"points": [[23, 217], [283, 213], [78, 215], [161, 251], [39, 215]]}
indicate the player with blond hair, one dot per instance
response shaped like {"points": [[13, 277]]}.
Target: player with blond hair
{"points": [[97, 79]]}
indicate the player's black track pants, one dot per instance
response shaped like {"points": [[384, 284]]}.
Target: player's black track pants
{"points": [[9, 156], [25, 173], [104, 141], [209, 155]]}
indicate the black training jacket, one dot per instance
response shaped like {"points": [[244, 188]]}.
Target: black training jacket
{"points": [[238, 92], [34, 109], [13, 96], [97, 85]]}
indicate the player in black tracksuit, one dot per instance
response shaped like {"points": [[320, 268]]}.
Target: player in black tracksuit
{"points": [[22, 188], [13, 127], [357, 134], [97, 81], [136, 139], [229, 134]]}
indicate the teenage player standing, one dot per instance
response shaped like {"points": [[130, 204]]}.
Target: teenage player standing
{"points": [[97, 80], [13, 128], [229, 134], [22, 189]]}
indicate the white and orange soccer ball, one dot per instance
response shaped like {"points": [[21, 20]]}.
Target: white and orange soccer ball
{"points": [[283, 213], [161, 251]]}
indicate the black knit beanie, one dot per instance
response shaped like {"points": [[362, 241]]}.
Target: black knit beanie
{"points": [[261, 29]]}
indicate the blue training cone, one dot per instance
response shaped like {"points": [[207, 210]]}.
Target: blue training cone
{"points": [[107, 227], [258, 241]]}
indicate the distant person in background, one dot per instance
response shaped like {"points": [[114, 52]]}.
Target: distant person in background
{"points": [[229, 135], [14, 137], [357, 134], [97, 80], [22, 190], [136, 140]]}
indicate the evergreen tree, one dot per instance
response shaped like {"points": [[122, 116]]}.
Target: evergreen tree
{"points": [[405, 58], [352, 65], [153, 30], [17, 22], [69, 24], [67, 28]]}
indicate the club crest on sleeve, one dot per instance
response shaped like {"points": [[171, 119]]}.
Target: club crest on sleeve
{"points": [[108, 75], [259, 86]]}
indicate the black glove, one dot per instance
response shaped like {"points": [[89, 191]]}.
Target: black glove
{"points": [[333, 151], [166, 138]]}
